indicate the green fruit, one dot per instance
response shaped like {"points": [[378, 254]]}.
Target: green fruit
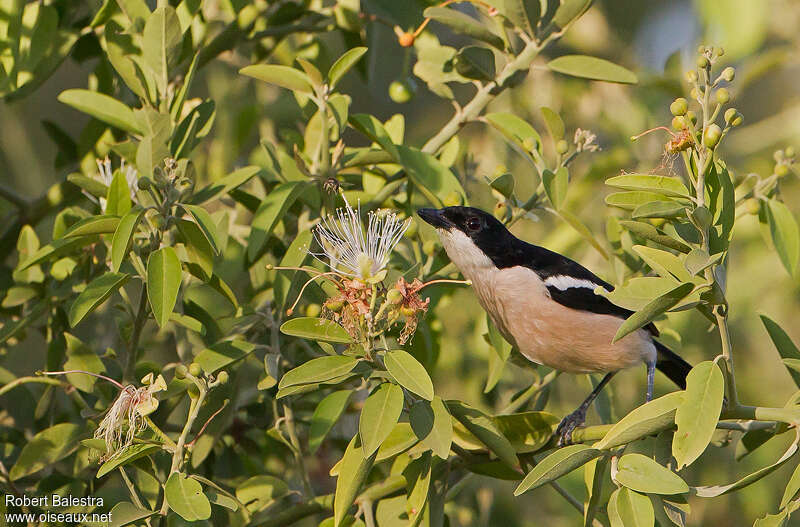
{"points": [[402, 91], [789, 152], [781, 170], [562, 146], [222, 377], [180, 371], [702, 62], [679, 122], [723, 96], [679, 106], [712, 136], [752, 206], [736, 121], [728, 74], [691, 76], [394, 296], [730, 113], [195, 369], [144, 183], [313, 310]]}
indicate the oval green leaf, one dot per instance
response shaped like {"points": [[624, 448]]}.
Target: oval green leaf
{"points": [[409, 373], [380, 413], [127, 455], [283, 76], [104, 224], [318, 370], [627, 508], [557, 464], [316, 329], [185, 496], [163, 283], [47, 447], [669, 186], [482, 427], [326, 415], [343, 64], [698, 414], [643, 421], [653, 309], [102, 107], [95, 294], [642, 474], [592, 68], [433, 425], [123, 236], [464, 24], [353, 470]]}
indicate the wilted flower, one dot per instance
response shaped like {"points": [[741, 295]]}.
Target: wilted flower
{"points": [[585, 141], [355, 251], [131, 406]]}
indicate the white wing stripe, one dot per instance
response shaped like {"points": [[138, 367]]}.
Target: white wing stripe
{"points": [[563, 283]]}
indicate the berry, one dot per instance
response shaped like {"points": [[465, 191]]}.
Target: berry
{"points": [[730, 113], [405, 39], [679, 122], [313, 310], [728, 74], [679, 106], [195, 369], [781, 170], [723, 96], [402, 91], [702, 62], [789, 152], [712, 135], [752, 206], [222, 377], [180, 371], [562, 146]]}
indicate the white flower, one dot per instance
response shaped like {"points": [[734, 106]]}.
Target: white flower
{"points": [[354, 250], [129, 408], [106, 176]]}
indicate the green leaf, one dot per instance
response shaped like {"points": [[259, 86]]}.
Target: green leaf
{"points": [[783, 343], [592, 68], [664, 263], [659, 209], [432, 424], [785, 234], [649, 232], [555, 125], [259, 492], [353, 470], [792, 488], [319, 369], [380, 413], [431, 177], [643, 421], [374, 129], [269, 213], [343, 64], [118, 199], [198, 249], [102, 107], [283, 76], [123, 236], [223, 354], [161, 45], [527, 431], [463, 24], [418, 477], [185, 496], [127, 455], [557, 464], [314, 75], [400, 439], [475, 62], [556, 186], [46, 448], [698, 414], [668, 186], [126, 513], [640, 473], [630, 200], [409, 373], [81, 357], [55, 249], [95, 294], [627, 508], [482, 427], [104, 224], [516, 130], [163, 283], [206, 224], [316, 329], [653, 309], [524, 14], [326, 415], [224, 185]]}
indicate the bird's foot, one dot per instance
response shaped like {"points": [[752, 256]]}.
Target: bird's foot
{"points": [[568, 425]]}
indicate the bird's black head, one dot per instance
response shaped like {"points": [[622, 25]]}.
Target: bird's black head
{"points": [[487, 234]]}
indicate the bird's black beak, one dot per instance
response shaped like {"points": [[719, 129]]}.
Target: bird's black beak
{"points": [[435, 217]]}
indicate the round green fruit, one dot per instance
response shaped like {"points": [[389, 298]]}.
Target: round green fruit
{"points": [[402, 91], [679, 106]]}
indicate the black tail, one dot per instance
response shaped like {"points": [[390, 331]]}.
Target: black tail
{"points": [[672, 365]]}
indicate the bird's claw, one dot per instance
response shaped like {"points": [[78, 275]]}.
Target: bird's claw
{"points": [[568, 425]]}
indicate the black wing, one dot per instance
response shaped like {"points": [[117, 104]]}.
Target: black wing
{"points": [[577, 293]]}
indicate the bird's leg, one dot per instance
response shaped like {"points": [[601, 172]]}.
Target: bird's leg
{"points": [[651, 374], [577, 418]]}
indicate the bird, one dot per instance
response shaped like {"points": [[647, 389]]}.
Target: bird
{"points": [[548, 306]]}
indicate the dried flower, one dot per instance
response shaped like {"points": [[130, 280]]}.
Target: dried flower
{"points": [[355, 251], [585, 141], [129, 409]]}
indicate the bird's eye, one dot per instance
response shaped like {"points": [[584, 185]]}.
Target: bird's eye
{"points": [[473, 224]]}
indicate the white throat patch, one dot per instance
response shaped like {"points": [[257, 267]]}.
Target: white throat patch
{"points": [[464, 253]]}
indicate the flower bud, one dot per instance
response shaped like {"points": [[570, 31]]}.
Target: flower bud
{"points": [[723, 96], [691, 76], [679, 106], [728, 74], [313, 310], [781, 170], [702, 62], [789, 152], [394, 296], [679, 122], [144, 183], [562, 146], [712, 136], [701, 49], [737, 120], [752, 206], [695, 93], [195, 369], [730, 113], [719, 51], [222, 377], [180, 371]]}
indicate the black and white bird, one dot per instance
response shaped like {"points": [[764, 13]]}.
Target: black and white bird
{"points": [[545, 305]]}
